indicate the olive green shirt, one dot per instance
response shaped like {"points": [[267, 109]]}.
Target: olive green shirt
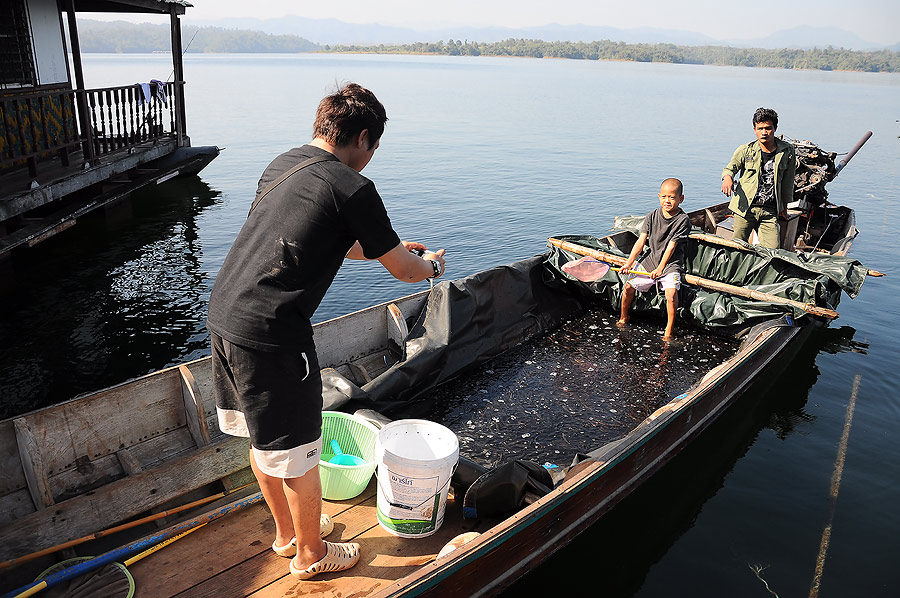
{"points": [[747, 159]]}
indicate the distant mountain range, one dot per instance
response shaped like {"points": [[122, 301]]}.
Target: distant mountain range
{"points": [[334, 32]]}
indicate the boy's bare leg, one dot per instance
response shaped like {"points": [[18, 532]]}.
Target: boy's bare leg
{"points": [[304, 497], [627, 298], [671, 306], [273, 491]]}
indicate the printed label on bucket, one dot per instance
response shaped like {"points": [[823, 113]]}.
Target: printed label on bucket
{"points": [[409, 505]]}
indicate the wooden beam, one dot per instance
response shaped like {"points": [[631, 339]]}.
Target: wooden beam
{"points": [[193, 407], [84, 119], [33, 465], [178, 73], [119, 500], [397, 329]]}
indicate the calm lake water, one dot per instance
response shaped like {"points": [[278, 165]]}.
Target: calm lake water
{"points": [[487, 158]]}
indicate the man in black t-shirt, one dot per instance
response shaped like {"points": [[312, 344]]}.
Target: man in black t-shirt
{"points": [[313, 209]]}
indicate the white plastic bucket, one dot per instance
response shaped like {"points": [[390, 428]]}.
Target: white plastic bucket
{"points": [[416, 459]]}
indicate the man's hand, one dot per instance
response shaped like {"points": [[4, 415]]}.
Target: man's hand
{"points": [[727, 185], [626, 267], [438, 256], [656, 273], [415, 247]]}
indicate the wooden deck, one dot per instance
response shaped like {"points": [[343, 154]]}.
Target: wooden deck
{"points": [[232, 556]]}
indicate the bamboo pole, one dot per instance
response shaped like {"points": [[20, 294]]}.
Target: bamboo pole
{"points": [[712, 285], [119, 528], [716, 240]]}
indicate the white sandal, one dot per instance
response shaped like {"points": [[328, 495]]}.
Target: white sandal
{"points": [[338, 557], [326, 526]]}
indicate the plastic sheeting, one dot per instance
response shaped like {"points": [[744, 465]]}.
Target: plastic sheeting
{"points": [[465, 322], [807, 278]]}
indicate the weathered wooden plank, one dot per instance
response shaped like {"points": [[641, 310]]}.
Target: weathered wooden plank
{"points": [[384, 559], [123, 498], [87, 476], [156, 451], [33, 465], [103, 423], [253, 566], [397, 329], [361, 333], [191, 562], [193, 407], [130, 464], [14, 505], [13, 478]]}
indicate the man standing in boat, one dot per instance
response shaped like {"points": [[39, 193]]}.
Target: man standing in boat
{"points": [[766, 183], [313, 209]]}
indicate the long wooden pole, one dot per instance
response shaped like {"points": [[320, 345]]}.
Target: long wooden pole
{"points": [[119, 528], [716, 240], [712, 285]]}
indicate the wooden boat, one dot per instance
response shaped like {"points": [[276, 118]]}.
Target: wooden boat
{"points": [[143, 446]]}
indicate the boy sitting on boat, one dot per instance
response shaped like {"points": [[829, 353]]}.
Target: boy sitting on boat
{"points": [[664, 230]]}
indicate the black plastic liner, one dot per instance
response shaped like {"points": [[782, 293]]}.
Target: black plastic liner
{"points": [[464, 323]]}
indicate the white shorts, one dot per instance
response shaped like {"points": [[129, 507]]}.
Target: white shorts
{"points": [[642, 283]]}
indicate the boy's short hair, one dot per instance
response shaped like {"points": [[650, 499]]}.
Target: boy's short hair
{"points": [[343, 115], [679, 186], [763, 115]]}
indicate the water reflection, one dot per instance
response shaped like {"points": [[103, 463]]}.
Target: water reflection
{"points": [[119, 295], [615, 555]]}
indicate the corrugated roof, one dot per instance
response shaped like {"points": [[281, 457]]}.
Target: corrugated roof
{"points": [[130, 6]]}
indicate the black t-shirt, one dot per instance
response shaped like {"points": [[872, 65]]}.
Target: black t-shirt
{"points": [[660, 232], [765, 194], [290, 249]]}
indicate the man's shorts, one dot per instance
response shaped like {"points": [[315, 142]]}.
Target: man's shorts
{"points": [[273, 398], [642, 283]]}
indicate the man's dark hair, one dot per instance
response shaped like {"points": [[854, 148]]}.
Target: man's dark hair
{"points": [[343, 115], [763, 115]]}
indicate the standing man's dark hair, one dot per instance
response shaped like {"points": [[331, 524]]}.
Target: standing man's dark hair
{"points": [[765, 115], [318, 210], [344, 114]]}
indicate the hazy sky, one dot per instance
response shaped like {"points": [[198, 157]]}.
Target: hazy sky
{"points": [[873, 20]]}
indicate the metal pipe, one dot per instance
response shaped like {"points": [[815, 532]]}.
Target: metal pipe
{"points": [[852, 153]]}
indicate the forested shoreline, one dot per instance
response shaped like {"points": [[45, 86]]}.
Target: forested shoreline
{"points": [[124, 37], [825, 59]]}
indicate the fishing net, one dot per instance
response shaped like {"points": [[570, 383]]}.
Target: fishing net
{"points": [[110, 581]]}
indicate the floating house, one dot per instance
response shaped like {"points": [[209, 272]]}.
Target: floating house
{"points": [[66, 150]]}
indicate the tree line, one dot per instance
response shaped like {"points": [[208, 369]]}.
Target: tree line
{"points": [[817, 58], [120, 36]]}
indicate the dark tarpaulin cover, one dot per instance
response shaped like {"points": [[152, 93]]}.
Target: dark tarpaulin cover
{"points": [[465, 322], [807, 278]]}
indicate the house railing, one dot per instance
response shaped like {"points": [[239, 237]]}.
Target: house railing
{"points": [[126, 116], [36, 124]]}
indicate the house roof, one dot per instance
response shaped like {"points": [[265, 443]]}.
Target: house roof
{"points": [[139, 6]]}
